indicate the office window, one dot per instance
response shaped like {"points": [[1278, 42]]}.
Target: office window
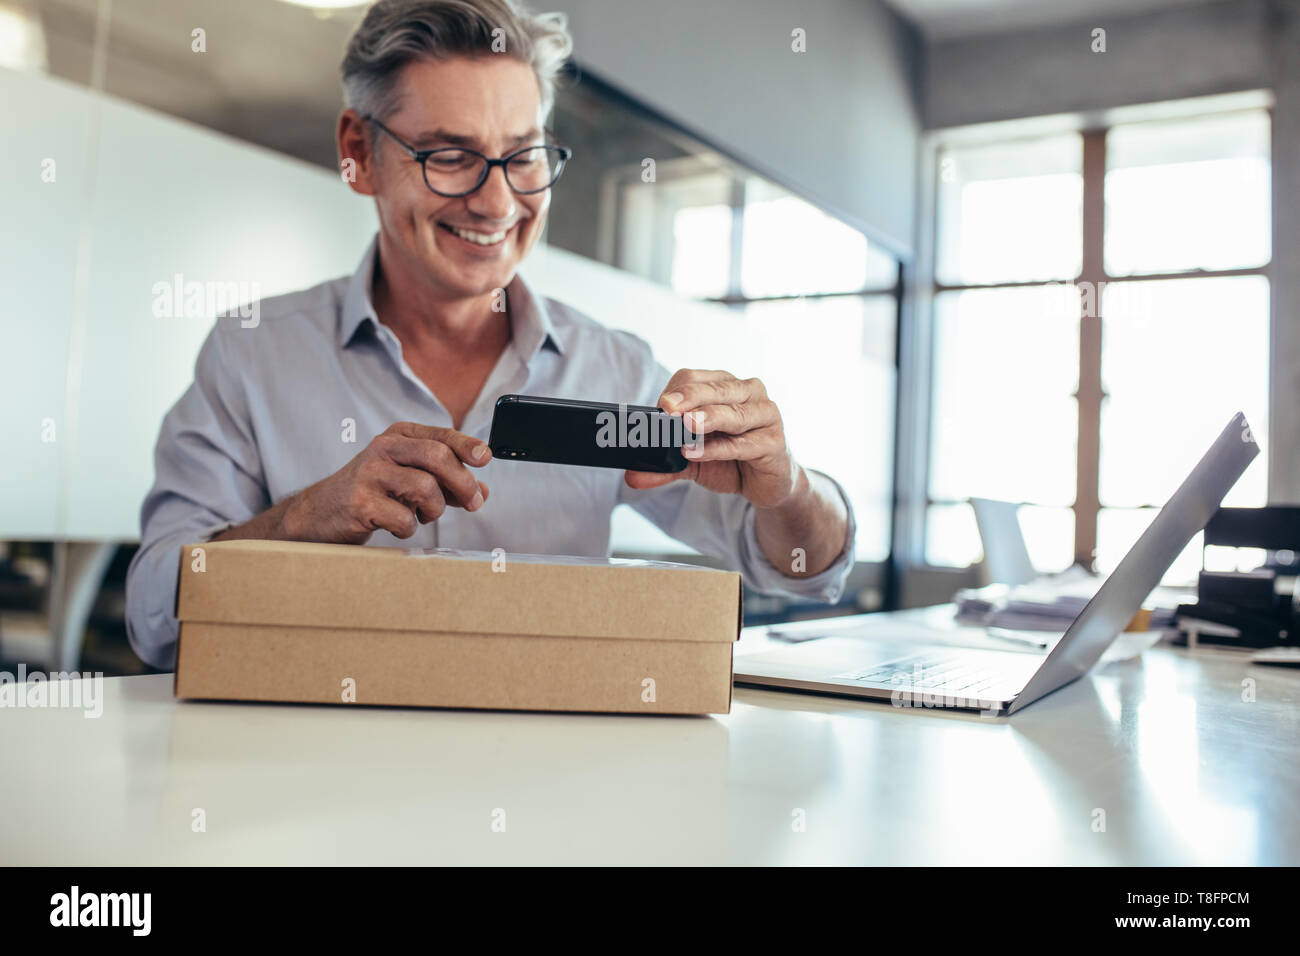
{"points": [[701, 250], [1010, 212], [813, 302], [1017, 350], [1173, 358], [676, 231], [793, 248], [1188, 194], [820, 302], [1137, 332], [828, 362]]}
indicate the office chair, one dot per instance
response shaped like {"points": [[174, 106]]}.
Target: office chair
{"points": [[1006, 557]]}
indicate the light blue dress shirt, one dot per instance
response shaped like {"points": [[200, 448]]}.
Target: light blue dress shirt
{"points": [[269, 411]]}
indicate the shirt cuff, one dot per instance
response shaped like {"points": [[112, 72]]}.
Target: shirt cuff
{"points": [[211, 531], [763, 576]]}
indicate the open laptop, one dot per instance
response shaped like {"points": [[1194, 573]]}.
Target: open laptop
{"points": [[913, 674]]}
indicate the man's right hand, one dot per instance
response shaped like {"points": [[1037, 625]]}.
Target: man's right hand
{"points": [[405, 477]]}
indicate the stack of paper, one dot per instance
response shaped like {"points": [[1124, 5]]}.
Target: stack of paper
{"points": [[1049, 603]]}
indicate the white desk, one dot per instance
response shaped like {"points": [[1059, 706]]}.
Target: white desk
{"points": [[1186, 772]]}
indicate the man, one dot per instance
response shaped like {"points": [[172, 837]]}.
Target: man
{"points": [[405, 359]]}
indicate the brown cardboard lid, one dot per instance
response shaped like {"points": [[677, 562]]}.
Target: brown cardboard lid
{"points": [[291, 583]]}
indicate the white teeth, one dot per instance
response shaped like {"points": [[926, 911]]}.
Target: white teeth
{"points": [[481, 238]]}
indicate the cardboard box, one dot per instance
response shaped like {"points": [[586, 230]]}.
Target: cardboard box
{"points": [[323, 623]]}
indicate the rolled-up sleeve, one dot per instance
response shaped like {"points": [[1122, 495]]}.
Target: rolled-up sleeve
{"points": [[827, 585], [725, 527], [207, 477]]}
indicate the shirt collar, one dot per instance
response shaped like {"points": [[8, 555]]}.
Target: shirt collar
{"points": [[531, 326], [357, 305]]}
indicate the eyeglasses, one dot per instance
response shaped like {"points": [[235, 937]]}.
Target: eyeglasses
{"points": [[454, 171]]}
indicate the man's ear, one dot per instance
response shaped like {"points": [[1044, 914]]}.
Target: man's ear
{"points": [[356, 158]]}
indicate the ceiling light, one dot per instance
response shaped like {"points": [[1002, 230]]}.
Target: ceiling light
{"points": [[327, 4], [22, 41]]}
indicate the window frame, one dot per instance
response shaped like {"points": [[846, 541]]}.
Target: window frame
{"points": [[874, 584], [735, 298], [1090, 393]]}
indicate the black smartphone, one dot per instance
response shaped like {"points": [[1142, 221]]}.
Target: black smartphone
{"points": [[598, 434]]}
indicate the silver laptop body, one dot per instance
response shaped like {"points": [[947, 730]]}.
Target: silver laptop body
{"points": [[912, 674]]}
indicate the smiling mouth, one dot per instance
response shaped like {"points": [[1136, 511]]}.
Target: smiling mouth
{"points": [[476, 237]]}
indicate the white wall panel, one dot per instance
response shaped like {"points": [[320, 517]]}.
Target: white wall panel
{"points": [[45, 121], [167, 198]]}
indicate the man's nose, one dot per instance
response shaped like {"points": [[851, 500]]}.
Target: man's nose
{"points": [[494, 199]]}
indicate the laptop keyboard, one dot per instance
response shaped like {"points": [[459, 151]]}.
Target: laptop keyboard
{"points": [[935, 673]]}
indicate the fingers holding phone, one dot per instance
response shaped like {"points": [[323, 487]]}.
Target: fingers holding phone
{"points": [[742, 447], [405, 477]]}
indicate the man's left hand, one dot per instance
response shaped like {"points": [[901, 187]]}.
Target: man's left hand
{"points": [[742, 449]]}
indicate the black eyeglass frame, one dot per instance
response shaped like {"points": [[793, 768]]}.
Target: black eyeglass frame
{"points": [[421, 156]]}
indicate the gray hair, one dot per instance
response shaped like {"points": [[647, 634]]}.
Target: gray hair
{"points": [[396, 32]]}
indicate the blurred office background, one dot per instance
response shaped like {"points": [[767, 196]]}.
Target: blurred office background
{"points": [[1030, 250]]}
